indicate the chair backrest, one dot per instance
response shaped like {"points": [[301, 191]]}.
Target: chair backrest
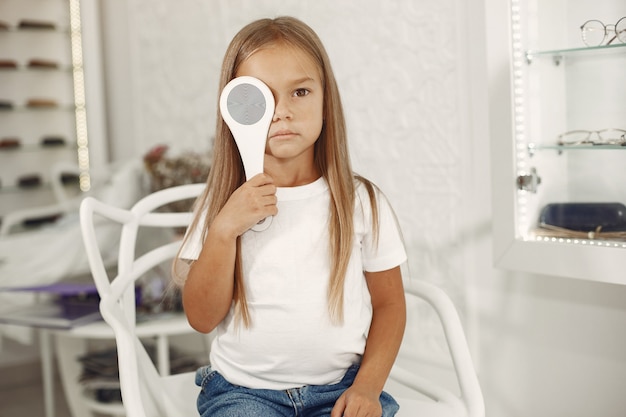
{"points": [[138, 375]]}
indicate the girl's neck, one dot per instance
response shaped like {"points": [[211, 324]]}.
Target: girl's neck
{"points": [[285, 175]]}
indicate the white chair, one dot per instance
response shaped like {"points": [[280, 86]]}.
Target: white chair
{"points": [[146, 393], [139, 377]]}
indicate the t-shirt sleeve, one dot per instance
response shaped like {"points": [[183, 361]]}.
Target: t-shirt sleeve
{"points": [[389, 251]]}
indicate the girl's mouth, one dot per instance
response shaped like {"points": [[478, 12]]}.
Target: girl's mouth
{"points": [[282, 134]]}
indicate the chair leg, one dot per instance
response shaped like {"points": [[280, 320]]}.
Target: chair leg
{"points": [[47, 365], [163, 355]]}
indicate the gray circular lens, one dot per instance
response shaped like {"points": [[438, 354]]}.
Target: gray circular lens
{"points": [[246, 104]]}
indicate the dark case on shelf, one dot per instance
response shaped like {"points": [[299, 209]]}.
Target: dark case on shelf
{"points": [[585, 216]]}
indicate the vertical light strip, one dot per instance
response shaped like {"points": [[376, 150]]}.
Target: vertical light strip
{"points": [[82, 138], [518, 113]]}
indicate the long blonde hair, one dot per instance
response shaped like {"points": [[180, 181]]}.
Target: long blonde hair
{"points": [[331, 154]]}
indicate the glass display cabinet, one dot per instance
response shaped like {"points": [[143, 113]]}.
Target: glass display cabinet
{"points": [[558, 136], [50, 75]]}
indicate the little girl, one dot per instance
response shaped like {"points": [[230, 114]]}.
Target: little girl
{"points": [[310, 313]]}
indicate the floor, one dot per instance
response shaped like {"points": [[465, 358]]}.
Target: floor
{"points": [[21, 393]]}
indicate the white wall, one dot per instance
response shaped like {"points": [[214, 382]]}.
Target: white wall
{"points": [[401, 70], [414, 84]]}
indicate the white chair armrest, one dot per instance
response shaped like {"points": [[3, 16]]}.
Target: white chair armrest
{"points": [[457, 342]]}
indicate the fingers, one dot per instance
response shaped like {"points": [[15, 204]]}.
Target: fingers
{"points": [[353, 403], [249, 204], [260, 180], [339, 407], [260, 193]]}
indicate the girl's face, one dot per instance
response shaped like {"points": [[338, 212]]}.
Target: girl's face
{"points": [[296, 85]]}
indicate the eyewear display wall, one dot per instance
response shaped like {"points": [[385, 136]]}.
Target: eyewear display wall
{"points": [[566, 135]]}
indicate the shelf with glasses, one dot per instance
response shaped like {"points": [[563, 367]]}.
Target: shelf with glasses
{"points": [[8, 146], [534, 147], [11, 150], [7, 107], [70, 184], [33, 65], [33, 26], [605, 139], [557, 55], [597, 39]]}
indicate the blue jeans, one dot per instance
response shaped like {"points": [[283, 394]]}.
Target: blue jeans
{"points": [[219, 398]]}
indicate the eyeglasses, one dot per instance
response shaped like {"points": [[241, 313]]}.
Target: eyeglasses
{"points": [[594, 32], [593, 137]]}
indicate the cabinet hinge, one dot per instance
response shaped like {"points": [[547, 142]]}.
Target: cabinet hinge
{"points": [[529, 182]]}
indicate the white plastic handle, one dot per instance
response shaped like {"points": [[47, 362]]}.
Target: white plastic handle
{"points": [[247, 107]]}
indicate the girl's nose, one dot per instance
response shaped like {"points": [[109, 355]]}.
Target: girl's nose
{"points": [[281, 110]]}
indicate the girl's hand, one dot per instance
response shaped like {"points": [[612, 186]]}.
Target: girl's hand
{"points": [[248, 205], [356, 402]]}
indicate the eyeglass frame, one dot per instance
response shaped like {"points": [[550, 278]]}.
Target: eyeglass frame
{"points": [[606, 28], [621, 141]]}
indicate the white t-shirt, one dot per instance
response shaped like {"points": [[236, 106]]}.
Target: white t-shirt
{"points": [[292, 341]]}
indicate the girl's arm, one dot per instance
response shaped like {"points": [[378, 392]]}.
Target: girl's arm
{"points": [[383, 343], [208, 291]]}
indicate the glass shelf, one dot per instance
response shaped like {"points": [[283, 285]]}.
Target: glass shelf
{"points": [[27, 68], [16, 29], [11, 189], [533, 148], [25, 108], [37, 148], [71, 186], [558, 54]]}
